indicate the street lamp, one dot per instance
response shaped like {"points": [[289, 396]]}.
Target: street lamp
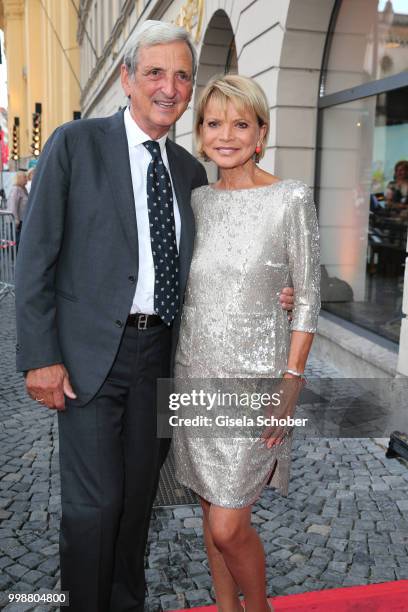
{"points": [[36, 138], [15, 151]]}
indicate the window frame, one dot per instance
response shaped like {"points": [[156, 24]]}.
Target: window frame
{"points": [[358, 92]]}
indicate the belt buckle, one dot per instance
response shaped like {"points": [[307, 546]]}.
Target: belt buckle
{"points": [[142, 321]]}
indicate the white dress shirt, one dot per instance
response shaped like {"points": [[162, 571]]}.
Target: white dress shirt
{"points": [[140, 159]]}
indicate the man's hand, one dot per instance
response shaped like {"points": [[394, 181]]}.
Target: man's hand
{"points": [[286, 299], [48, 386]]}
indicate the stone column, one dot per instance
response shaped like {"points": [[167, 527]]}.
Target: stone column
{"points": [[16, 70]]}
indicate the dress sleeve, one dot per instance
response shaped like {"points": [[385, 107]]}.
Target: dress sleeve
{"points": [[302, 242]]}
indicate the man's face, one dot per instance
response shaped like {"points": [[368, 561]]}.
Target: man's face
{"points": [[161, 88]]}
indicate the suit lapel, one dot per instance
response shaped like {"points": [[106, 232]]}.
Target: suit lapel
{"points": [[182, 187], [114, 150]]}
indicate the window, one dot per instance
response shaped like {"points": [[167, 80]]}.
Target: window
{"points": [[370, 42], [362, 181]]}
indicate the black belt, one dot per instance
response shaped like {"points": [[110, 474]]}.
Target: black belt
{"points": [[143, 321]]}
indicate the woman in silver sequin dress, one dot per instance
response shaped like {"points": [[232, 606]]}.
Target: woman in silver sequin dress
{"points": [[254, 234]]}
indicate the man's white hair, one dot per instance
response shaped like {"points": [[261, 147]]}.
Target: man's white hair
{"points": [[151, 33]]}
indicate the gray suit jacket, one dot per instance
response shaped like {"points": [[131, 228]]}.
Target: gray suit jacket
{"points": [[77, 265]]}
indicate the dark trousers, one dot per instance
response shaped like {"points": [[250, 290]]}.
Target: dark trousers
{"points": [[110, 459], [18, 234]]}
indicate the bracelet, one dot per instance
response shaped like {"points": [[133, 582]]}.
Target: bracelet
{"points": [[295, 373]]}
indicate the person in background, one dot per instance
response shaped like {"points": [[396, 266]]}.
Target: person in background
{"points": [[17, 202], [397, 190], [30, 175]]}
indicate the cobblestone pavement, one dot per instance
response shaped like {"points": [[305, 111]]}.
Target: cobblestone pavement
{"points": [[342, 524]]}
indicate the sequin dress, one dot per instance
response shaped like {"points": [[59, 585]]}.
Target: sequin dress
{"points": [[250, 243]]}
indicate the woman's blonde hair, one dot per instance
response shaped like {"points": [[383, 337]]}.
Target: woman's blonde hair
{"points": [[244, 93]]}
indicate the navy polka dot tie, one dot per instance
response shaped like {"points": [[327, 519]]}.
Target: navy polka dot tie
{"points": [[162, 236]]}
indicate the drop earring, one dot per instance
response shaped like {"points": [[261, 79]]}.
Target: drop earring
{"points": [[258, 150]]}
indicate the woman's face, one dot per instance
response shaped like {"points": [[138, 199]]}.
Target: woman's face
{"points": [[229, 136], [401, 173]]}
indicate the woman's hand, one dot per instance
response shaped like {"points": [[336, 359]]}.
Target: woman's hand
{"points": [[289, 389]]}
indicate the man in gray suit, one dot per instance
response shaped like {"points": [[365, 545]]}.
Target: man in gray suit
{"points": [[101, 272]]}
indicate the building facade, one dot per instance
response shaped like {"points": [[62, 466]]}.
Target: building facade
{"points": [[336, 76], [43, 67]]}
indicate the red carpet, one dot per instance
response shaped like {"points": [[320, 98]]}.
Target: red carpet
{"points": [[384, 597]]}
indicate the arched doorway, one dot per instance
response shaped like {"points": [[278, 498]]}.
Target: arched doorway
{"points": [[218, 56], [218, 53], [300, 61]]}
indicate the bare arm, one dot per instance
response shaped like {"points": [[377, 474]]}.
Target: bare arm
{"points": [[300, 345]]}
